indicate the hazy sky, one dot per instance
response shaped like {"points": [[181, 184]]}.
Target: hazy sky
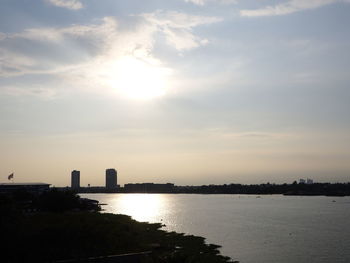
{"points": [[182, 91]]}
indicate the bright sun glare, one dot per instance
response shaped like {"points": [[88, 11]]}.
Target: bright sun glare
{"points": [[143, 207], [138, 79]]}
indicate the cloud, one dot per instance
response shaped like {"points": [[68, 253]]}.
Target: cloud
{"points": [[204, 2], [289, 7], [177, 28], [85, 56], [50, 50], [196, 2], [69, 4], [53, 50], [38, 91]]}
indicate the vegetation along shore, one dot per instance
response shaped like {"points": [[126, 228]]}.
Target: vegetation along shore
{"points": [[59, 226]]}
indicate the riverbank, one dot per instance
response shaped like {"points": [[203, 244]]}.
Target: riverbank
{"points": [[248, 228], [40, 235]]}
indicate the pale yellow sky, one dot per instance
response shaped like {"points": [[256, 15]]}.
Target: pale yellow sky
{"points": [[203, 157]]}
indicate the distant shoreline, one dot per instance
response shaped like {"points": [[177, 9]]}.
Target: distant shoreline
{"points": [[295, 189], [307, 195]]}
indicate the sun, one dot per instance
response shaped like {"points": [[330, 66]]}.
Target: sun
{"points": [[138, 79]]}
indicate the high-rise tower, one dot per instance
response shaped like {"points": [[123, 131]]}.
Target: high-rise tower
{"points": [[111, 178], [75, 179]]}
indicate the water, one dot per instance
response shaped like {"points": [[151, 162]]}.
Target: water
{"points": [[249, 228]]}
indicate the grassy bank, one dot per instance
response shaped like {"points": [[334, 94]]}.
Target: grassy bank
{"points": [[47, 236]]}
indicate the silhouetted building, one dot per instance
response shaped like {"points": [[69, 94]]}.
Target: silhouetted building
{"points": [[309, 181], [302, 181], [149, 188], [111, 178], [75, 179], [35, 188]]}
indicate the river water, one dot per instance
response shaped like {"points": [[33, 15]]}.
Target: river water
{"points": [[249, 228]]}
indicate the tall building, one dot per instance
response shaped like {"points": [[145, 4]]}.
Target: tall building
{"points": [[111, 178], [75, 179]]}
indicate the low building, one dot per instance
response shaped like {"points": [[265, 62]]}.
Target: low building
{"points": [[149, 188], [35, 188], [309, 181]]}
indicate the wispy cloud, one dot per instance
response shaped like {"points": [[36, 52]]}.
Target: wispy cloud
{"points": [[31, 51], [42, 92], [69, 4], [289, 7], [70, 54], [204, 2], [177, 28], [50, 50], [196, 2]]}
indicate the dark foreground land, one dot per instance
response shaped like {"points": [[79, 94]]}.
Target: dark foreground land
{"points": [[61, 227]]}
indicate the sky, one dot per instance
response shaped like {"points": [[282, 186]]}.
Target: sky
{"points": [[185, 91]]}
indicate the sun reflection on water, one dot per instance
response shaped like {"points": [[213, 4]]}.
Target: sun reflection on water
{"points": [[142, 207]]}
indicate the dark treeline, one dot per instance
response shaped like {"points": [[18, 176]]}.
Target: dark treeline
{"points": [[328, 189], [50, 201], [338, 189]]}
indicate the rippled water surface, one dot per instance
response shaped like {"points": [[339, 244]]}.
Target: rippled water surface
{"points": [[249, 228]]}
